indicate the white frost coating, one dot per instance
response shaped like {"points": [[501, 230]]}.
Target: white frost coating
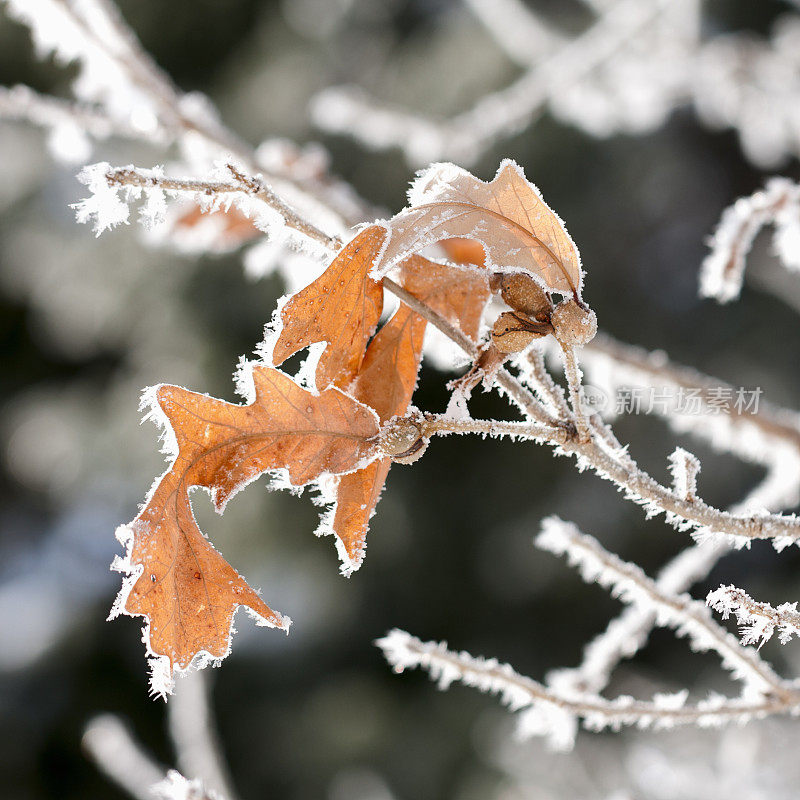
{"points": [[778, 203], [683, 467], [556, 725], [113, 189], [103, 208], [758, 622], [688, 617]]}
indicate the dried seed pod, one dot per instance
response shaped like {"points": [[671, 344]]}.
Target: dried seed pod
{"points": [[510, 334], [513, 331], [573, 323], [522, 293], [403, 440]]}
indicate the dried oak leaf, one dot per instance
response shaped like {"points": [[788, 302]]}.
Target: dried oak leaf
{"points": [[518, 230], [459, 295], [464, 251], [386, 382], [184, 589], [342, 307], [221, 231]]}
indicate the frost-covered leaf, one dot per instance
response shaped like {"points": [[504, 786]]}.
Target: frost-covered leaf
{"points": [[177, 581], [388, 376], [518, 230], [342, 307], [385, 382], [460, 296]]}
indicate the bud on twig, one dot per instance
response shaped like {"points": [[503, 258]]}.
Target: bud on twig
{"points": [[403, 440]]}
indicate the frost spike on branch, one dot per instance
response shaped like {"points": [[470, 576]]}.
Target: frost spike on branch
{"points": [[758, 622], [684, 467]]}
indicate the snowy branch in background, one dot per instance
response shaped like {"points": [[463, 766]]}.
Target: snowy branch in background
{"points": [[624, 74], [111, 746], [758, 622], [689, 618], [778, 204], [554, 714], [465, 137]]}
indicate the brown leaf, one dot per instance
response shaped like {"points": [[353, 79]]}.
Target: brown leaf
{"points": [[507, 216], [185, 590], [464, 251], [385, 382], [342, 307], [387, 379], [459, 295]]}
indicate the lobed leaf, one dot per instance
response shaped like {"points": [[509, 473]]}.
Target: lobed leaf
{"points": [[342, 307], [184, 589], [388, 376]]}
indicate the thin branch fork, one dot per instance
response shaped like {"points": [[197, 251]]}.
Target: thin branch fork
{"points": [[241, 184], [679, 611]]}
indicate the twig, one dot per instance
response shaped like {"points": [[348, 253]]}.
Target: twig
{"points": [[192, 729], [757, 621], [404, 651], [111, 746], [573, 374]]}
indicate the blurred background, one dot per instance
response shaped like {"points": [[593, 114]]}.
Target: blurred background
{"points": [[86, 323]]}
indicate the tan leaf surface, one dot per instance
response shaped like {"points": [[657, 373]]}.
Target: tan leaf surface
{"points": [[342, 307], [507, 216], [385, 382], [464, 251], [459, 295], [185, 590], [388, 376]]}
